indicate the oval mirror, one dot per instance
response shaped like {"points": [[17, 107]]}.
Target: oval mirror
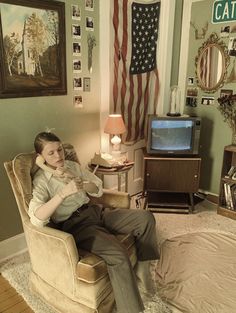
{"points": [[211, 64]]}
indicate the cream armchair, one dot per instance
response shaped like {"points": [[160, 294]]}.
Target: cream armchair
{"points": [[67, 278]]}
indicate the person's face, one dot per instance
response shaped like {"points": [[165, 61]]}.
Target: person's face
{"points": [[53, 154]]}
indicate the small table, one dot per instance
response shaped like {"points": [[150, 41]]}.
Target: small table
{"points": [[119, 171]]}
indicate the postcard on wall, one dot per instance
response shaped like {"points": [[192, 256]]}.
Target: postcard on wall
{"points": [[77, 66], [75, 12], [89, 23], [76, 48], [78, 101], [207, 100], [76, 31], [77, 83], [226, 92], [232, 46], [89, 5]]}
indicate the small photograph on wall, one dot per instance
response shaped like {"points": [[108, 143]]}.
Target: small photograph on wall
{"points": [[77, 66], [76, 31], [89, 5], [76, 48], [190, 81], [207, 100], [232, 46], [192, 92], [89, 23], [77, 83], [78, 101], [224, 31], [75, 12], [191, 102], [226, 93]]}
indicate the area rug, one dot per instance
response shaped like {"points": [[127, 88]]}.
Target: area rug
{"points": [[17, 270], [169, 226]]}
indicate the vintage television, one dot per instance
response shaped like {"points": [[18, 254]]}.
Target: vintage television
{"points": [[173, 136]]}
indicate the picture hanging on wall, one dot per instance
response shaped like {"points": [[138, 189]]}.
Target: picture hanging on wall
{"points": [[32, 48], [77, 83], [76, 48], [207, 100], [224, 32], [76, 31], [76, 14], [190, 81], [78, 102], [226, 93], [89, 23], [89, 5], [232, 46], [77, 66]]}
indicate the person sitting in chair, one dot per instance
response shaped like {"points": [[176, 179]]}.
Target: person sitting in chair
{"points": [[61, 190]]}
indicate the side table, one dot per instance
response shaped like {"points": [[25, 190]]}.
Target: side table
{"points": [[119, 171]]}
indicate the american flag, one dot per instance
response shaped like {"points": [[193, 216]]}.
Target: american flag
{"points": [[135, 76]]}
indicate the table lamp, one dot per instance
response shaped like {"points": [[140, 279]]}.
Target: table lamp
{"points": [[115, 126]]}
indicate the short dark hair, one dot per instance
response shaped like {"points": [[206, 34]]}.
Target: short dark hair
{"points": [[43, 138]]}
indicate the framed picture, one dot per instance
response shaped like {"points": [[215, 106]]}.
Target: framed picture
{"points": [[32, 48]]}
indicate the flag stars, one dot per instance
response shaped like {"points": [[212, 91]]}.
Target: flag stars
{"points": [[144, 37]]}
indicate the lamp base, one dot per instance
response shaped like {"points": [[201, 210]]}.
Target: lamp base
{"points": [[116, 153]]}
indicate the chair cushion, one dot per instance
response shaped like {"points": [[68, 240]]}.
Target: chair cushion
{"points": [[92, 268]]}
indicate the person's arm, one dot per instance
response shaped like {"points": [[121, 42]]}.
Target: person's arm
{"points": [[91, 183], [46, 210], [90, 187], [42, 206]]}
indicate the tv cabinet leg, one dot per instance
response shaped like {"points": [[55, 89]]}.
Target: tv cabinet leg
{"points": [[145, 204], [191, 207]]}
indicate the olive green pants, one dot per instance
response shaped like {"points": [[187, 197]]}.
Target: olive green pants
{"points": [[93, 229]]}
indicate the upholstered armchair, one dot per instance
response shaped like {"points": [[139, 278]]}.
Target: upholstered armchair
{"points": [[67, 278]]}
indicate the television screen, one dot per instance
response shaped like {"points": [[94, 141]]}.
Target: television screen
{"points": [[171, 135]]}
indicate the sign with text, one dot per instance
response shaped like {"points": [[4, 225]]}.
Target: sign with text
{"points": [[223, 11]]}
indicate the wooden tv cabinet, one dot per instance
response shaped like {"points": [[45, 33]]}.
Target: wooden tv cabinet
{"points": [[170, 182]]}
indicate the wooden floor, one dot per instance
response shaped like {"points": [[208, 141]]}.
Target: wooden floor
{"points": [[10, 300]]}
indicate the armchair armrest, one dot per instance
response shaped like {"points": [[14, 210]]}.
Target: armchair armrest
{"points": [[113, 199], [51, 252]]}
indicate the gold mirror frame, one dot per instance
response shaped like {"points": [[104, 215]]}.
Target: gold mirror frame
{"points": [[211, 42]]}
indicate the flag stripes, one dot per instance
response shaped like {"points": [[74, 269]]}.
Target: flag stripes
{"points": [[133, 95]]}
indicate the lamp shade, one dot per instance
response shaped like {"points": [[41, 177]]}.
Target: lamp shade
{"points": [[114, 125]]}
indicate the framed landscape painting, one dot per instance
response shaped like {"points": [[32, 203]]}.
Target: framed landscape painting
{"points": [[32, 48]]}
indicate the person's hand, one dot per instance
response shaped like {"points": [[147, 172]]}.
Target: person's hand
{"points": [[71, 188], [63, 173]]}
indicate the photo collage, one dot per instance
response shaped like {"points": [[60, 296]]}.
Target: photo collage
{"points": [[82, 26]]}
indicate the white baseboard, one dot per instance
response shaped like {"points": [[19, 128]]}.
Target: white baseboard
{"points": [[12, 247]]}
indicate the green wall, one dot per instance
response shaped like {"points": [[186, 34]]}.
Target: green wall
{"points": [[215, 133], [22, 118]]}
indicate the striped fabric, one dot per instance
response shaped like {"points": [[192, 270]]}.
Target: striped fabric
{"points": [[135, 92]]}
